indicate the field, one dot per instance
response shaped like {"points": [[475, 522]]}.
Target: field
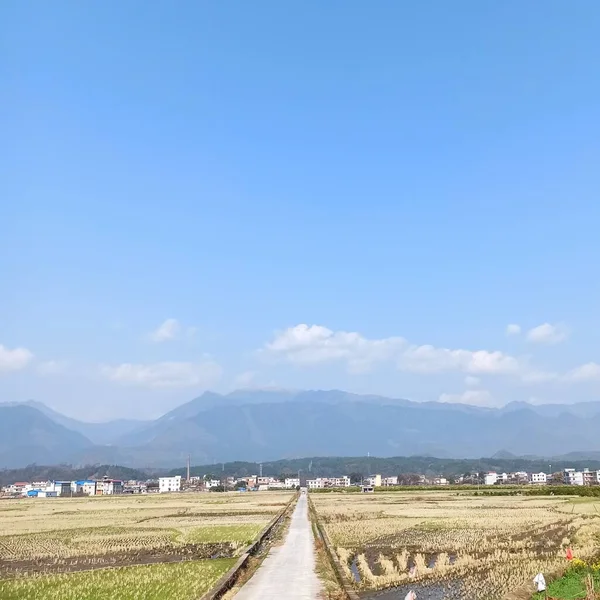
{"points": [[176, 545], [452, 545]]}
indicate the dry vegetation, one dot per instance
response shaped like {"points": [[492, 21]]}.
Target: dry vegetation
{"points": [[473, 547], [44, 541]]}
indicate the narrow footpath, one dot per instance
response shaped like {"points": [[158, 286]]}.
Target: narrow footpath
{"points": [[289, 570]]}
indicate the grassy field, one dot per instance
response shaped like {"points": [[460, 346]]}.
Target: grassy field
{"points": [[158, 541], [468, 546], [177, 581]]}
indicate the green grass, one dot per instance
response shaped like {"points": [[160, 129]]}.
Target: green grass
{"points": [[244, 534], [570, 586], [176, 581]]}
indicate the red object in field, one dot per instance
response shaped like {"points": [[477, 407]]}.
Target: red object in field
{"points": [[569, 554]]}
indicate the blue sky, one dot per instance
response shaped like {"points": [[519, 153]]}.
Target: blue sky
{"points": [[272, 177]]}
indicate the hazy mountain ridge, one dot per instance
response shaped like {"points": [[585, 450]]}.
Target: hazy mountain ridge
{"points": [[98, 433], [262, 425]]}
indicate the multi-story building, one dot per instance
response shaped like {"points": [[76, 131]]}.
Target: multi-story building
{"points": [[339, 481], [292, 482], [491, 478], [388, 481], [61, 488], [328, 482], [373, 480], [84, 486], [19, 487], [538, 478], [572, 477], [589, 477], [169, 484], [212, 483], [519, 477], [312, 484], [108, 487]]}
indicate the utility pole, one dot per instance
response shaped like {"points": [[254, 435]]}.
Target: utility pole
{"points": [[188, 468], [260, 470]]}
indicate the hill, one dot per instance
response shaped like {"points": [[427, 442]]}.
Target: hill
{"points": [[98, 433], [27, 435], [263, 425], [329, 466]]}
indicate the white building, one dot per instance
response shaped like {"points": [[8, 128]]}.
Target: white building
{"points": [[589, 477], [493, 478], [169, 484], [538, 478], [328, 482], [387, 481], [292, 483], [212, 483], [108, 487], [339, 481], [84, 486], [373, 480], [573, 477]]}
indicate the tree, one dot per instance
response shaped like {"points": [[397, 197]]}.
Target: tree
{"points": [[409, 479], [240, 484], [356, 478]]}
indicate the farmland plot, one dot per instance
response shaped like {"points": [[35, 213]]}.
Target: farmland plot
{"points": [[167, 537], [454, 546]]}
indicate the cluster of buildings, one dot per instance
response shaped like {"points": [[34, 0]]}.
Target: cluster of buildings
{"points": [[177, 483], [52, 489], [567, 477], [253, 482]]}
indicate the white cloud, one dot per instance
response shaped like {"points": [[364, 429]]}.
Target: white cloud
{"points": [[473, 397], [548, 334], [588, 372], [513, 329], [244, 380], [52, 367], [314, 344], [538, 376], [428, 359], [307, 345], [472, 381], [15, 359], [168, 330], [165, 374]]}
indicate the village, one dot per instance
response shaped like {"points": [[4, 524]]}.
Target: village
{"points": [[207, 483]]}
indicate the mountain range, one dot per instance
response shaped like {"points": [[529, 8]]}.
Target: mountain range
{"points": [[261, 425]]}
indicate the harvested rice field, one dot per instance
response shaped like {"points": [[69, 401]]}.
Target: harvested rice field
{"points": [[454, 545], [52, 544]]}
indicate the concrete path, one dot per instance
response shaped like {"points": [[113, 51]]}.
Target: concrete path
{"points": [[289, 570]]}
